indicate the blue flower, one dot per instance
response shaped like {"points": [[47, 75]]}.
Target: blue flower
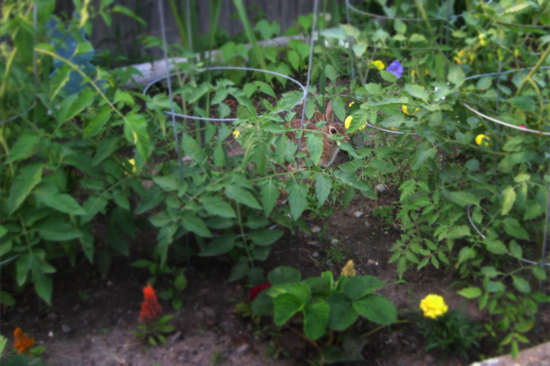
{"points": [[395, 68]]}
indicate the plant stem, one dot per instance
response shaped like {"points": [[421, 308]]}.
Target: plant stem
{"points": [[243, 235], [532, 72], [306, 338]]}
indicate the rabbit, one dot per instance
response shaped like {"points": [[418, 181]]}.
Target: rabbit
{"points": [[330, 146]]}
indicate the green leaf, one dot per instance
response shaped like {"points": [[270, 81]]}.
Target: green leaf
{"points": [[359, 49], [217, 206], [515, 250], [457, 232], [97, 122], [285, 306], [238, 272], [388, 76], [521, 284], [342, 313], [294, 59], [105, 148], [417, 91], [456, 75], [376, 308], [57, 230], [242, 196], [323, 185], [358, 286], [135, 126], [339, 108], [43, 286], [470, 292], [24, 146], [270, 193], [464, 198], [25, 180], [192, 222], [284, 274], [509, 197], [513, 227], [495, 246], [62, 202], [263, 304], [298, 198], [465, 254], [315, 146], [421, 156], [316, 319], [220, 245], [539, 273], [265, 236], [6, 299]]}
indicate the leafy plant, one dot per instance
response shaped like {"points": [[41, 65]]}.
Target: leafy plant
{"points": [[325, 306]]}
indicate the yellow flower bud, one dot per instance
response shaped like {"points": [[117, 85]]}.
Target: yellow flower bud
{"points": [[378, 64], [348, 270], [236, 134], [482, 140], [406, 110]]}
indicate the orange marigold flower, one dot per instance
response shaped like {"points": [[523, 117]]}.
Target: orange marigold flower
{"points": [[150, 308], [22, 341]]}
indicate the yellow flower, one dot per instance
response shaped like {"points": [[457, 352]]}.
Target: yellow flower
{"points": [[413, 72], [433, 306], [348, 269], [132, 162], [482, 140], [378, 64], [406, 110], [236, 133]]}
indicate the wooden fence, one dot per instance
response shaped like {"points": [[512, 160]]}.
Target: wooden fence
{"points": [[122, 38]]}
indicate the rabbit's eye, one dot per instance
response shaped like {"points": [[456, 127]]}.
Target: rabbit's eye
{"points": [[333, 131]]}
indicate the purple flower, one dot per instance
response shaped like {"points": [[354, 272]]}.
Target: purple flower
{"points": [[395, 68]]}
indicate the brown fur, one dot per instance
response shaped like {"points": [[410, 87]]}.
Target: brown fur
{"points": [[330, 147]]}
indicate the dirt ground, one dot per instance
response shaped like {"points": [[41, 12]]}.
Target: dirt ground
{"points": [[92, 319]]}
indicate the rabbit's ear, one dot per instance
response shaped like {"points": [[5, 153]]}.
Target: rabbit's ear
{"points": [[328, 112], [318, 116]]}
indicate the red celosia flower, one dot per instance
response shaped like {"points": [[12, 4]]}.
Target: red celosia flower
{"points": [[255, 291], [22, 341], [150, 308]]}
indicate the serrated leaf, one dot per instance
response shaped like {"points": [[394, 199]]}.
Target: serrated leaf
{"points": [[297, 197], [25, 180], [242, 196], [456, 75], [217, 206], [323, 185], [62, 202], [417, 91], [192, 222], [470, 292], [315, 319], [464, 198], [264, 237], [23, 147], [315, 146], [376, 308], [509, 197], [270, 193], [285, 306], [220, 245]]}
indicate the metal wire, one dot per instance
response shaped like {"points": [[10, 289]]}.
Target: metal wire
{"points": [[213, 68], [349, 23], [542, 263], [389, 131], [315, 5], [505, 123], [165, 49]]}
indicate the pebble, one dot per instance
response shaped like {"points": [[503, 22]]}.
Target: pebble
{"points": [[313, 242], [315, 255], [243, 348], [334, 241], [315, 229], [380, 187], [65, 328], [367, 224], [371, 262], [385, 233], [358, 214]]}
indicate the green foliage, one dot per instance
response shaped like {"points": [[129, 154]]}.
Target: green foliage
{"points": [[452, 333], [324, 305]]}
